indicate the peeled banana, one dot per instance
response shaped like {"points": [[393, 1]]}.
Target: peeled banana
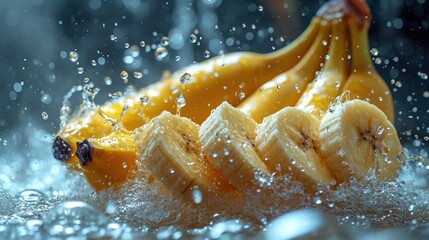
{"points": [[357, 137]]}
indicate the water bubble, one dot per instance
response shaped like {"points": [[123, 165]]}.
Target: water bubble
{"points": [[142, 43], [377, 60], [74, 219], [113, 37], [374, 52], [46, 98], [45, 115], [31, 196], [93, 63], [17, 87], [124, 75], [164, 41], [126, 45], [206, 54], [111, 207], [185, 78], [107, 81], [193, 38], [73, 56], [197, 195], [160, 53], [138, 75]]}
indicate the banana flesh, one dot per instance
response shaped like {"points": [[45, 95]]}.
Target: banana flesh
{"points": [[227, 138], [357, 137], [288, 142], [169, 147]]}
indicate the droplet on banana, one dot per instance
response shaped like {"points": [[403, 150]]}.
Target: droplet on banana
{"points": [[227, 137], [288, 142], [357, 137], [169, 147]]}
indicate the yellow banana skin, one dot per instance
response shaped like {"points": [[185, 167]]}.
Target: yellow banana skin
{"points": [[364, 82], [285, 89], [327, 86], [223, 78]]}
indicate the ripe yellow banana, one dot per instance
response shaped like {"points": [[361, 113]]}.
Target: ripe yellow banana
{"points": [[204, 87], [227, 138], [108, 160], [169, 147], [357, 137], [285, 89], [327, 85], [288, 142], [364, 82]]}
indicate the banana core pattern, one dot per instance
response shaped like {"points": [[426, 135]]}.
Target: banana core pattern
{"points": [[249, 115]]}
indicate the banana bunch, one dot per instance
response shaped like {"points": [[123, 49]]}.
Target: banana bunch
{"points": [[247, 115]]}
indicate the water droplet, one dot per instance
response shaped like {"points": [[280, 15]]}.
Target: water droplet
{"points": [[110, 207], [297, 88], [241, 95], [73, 56], [142, 43], [324, 42], [46, 98], [124, 165], [93, 63], [165, 41], [31, 196], [180, 101], [45, 116], [115, 94], [138, 75], [317, 200], [193, 38], [126, 45], [225, 152], [380, 130], [374, 52], [377, 60], [86, 80], [214, 154], [172, 171], [144, 100], [160, 53], [206, 54], [108, 81], [423, 75], [80, 70], [124, 75], [177, 58], [197, 195], [185, 78], [113, 37], [260, 8]]}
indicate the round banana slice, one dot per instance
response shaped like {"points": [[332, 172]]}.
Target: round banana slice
{"points": [[288, 143], [168, 146], [227, 137], [356, 137]]}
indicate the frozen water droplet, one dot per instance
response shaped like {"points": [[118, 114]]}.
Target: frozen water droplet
{"points": [[80, 70], [142, 43], [73, 56], [138, 75], [374, 52], [160, 53], [45, 116], [193, 38], [197, 195], [124, 75], [185, 78], [206, 54], [165, 41]]}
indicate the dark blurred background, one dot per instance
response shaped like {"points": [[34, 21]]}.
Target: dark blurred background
{"points": [[38, 35]]}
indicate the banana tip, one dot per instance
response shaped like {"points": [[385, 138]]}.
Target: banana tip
{"points": [[61, 149]]}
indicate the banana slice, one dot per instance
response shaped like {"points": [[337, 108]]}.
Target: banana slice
{"points": [[168, 146], [288, 142], [356, 137], [227, 138]]}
